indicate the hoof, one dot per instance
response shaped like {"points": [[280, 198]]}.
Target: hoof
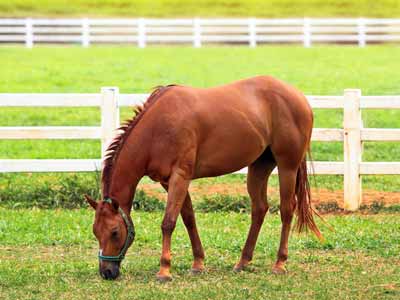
{"points": [[197, 271], [163, 278], [239, 268], [279, 270]]}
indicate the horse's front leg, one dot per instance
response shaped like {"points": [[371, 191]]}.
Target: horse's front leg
{"points": [[190, 223], [177, 191], [189, 220]]}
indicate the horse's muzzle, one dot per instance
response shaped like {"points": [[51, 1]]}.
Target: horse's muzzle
{"points": [[109, 270]]}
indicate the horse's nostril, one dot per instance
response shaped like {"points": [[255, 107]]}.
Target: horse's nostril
{"points": [[107, 274]]}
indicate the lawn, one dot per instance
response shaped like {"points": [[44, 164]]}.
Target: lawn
{"points": [[319, 70], [51, 254], [204, 8]]}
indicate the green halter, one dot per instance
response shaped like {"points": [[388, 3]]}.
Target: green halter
{"points": [[129, 238]]}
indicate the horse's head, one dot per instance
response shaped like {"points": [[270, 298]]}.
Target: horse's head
{"points": [[114, 230]]}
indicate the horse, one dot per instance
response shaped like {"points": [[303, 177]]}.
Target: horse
{"points": [[183, 133]]}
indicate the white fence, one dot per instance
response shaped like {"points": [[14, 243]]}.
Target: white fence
{"points": [[352, 134], [197, 32]]}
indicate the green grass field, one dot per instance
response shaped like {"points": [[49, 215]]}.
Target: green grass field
{"points": [[51, 254], [190, 8], [319, 70]]}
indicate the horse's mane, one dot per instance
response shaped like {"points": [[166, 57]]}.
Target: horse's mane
{"points": [[119, 140]]}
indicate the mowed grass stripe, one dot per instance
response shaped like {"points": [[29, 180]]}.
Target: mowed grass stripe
{"points": [[318, 70], [190, 8], [73, 274], [51, 254], [378, 234]]}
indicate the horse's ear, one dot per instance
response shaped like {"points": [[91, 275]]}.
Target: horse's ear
{"points": [[91, 202], [114, 204]]}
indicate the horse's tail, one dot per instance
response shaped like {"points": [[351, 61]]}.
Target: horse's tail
{"points": [[304, 210]]}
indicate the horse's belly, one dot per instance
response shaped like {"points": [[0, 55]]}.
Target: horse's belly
{"points": [[228, 152]]}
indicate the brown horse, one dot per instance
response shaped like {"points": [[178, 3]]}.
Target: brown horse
{"points": [[184, 133]]}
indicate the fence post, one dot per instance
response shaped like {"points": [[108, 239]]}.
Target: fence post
{"points": [[28, 33], [306, 33], [141, 33], [352, 124], [196, 33], [85, 32], [109, 116], [361, 32], [252, 32]]}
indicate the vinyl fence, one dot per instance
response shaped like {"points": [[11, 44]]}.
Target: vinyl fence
{"points": [[251, 31], [109, 100]]}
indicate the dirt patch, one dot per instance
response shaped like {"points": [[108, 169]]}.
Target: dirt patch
{"points": [[320, 196]]}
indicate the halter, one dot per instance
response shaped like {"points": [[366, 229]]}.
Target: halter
{"points": [[129, 238]]}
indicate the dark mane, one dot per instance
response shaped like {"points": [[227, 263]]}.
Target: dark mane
{"points": [[126, 128]]}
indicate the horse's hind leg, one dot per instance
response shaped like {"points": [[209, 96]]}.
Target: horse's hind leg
{"points": [[257, 179], [287, 184], [288, 159]]}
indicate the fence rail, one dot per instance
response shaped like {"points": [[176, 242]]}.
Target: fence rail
{"points": [[109, 100], [251, 31]]}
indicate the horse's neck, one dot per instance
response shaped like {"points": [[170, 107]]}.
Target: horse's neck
{"points": [[128, 169]]}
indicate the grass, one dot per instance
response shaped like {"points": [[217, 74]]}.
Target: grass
{"points": [[319, 70], [51, 254], [190, 8]]}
